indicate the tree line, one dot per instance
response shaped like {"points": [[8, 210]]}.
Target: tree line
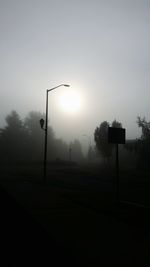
{"points": [[140, 147], [23, 140]]}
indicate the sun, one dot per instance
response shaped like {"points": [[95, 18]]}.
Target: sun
{"points": [[70, 102]]}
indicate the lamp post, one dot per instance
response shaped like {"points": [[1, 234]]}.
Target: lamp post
{"points": [[46, 127]]}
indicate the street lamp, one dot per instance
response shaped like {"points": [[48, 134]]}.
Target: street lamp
{"points": [[46, 126]]}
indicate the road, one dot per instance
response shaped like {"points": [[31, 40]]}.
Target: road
{"points": [[52, 224]]}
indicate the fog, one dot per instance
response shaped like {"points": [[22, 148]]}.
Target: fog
{"points": [[100, 48], [75, 192]]}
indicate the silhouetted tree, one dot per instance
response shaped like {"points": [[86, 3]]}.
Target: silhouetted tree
{"points": [[141, 146], [144, 143], [24, 140], [36, 136], [116, 124], [142, 123], [101, 138], [12, 138]]}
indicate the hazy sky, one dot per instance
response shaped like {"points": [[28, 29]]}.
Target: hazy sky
{"points": [[100, 47]]}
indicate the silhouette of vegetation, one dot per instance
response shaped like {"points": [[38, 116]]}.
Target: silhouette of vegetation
{"points": [[144, 143], [13, 138], [116, 124], [101, 139], [23, 140], [145, 127], [36, 135], [141, 146]]}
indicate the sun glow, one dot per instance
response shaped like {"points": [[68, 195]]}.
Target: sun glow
{"points": [[70, 102]]}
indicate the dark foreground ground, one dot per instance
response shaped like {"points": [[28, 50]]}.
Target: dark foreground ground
{"points": [[71, 221]]}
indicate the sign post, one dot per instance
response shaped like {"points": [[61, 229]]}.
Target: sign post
{"points": [[116, 136], [117, 172]]}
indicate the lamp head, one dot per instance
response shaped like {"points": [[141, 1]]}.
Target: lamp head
{"points": [[67, 85]]}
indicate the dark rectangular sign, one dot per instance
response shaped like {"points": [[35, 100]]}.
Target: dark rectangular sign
{"points": [[116, 135]]}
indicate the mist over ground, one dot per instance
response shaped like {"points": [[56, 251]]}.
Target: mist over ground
{"points": [[69, 195]]}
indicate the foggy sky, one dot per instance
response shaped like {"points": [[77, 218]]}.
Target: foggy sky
{"points": [[99, 47]]}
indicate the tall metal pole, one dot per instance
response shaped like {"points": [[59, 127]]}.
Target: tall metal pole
{"points": [[117, 173], [45, 144], [46, 129]]}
